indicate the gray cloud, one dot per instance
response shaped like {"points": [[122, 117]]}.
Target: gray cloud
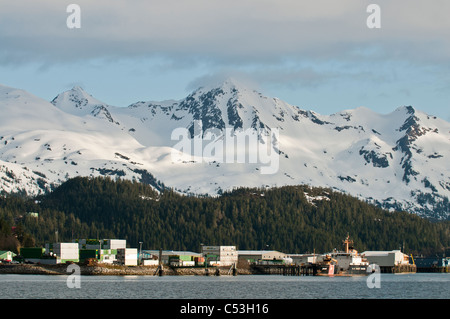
{"points": [[224, 31], [288, 44], [219, 76]]}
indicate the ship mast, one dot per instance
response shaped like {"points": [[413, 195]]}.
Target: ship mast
{"points": [[347, 242]]}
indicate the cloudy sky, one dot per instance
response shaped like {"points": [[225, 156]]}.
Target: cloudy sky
{"points": [[318, 55]]}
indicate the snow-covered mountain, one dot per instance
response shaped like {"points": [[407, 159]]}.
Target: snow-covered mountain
{"points": [[226, 136]]}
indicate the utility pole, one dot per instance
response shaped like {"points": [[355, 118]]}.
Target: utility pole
{"points": [[160, 270]]}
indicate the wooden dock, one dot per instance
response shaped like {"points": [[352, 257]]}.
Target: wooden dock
{"points": [[399, 269], [434, 269]]}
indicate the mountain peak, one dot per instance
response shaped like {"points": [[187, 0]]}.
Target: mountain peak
{"points": [[78, 89], [410, 110], [79, 92], [227, 84], [76, 99]]}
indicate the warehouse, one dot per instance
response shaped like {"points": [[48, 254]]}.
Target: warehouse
{"points": [[253, 256], [386, 258]]}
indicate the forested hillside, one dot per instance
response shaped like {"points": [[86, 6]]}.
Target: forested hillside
{"points": [[293, 219]]}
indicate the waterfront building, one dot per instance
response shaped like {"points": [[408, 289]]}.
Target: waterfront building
{"points": [[220, 255], [431, 264], [127, 256], [303, 259], [104, 250], [60, 253], [386, 258], [107, 256], [258, 256], [168, 256], [100, 243], [6, 255]]}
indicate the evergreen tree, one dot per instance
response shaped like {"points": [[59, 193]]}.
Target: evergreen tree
{"points": [[293, 219]]}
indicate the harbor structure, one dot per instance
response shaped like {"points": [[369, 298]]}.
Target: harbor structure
{"points": [[303, 259], [264, 257], [220, 255], [347, 261], [104, 250], [386, 258], [393, 261], [431, 264], [79, 250]]}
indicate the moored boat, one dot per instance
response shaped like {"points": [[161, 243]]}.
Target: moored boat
{"points": [[346, 262]]}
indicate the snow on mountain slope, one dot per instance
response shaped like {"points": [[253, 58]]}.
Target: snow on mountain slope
{"points": [[226, 136], [46, 145]]}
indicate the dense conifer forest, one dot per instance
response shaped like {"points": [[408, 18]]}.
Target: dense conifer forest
{"points": [[292, 219]]}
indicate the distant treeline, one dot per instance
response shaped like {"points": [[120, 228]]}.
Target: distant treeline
{"points": [[292, 219]]}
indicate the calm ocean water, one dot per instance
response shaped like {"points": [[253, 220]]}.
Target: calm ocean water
{"points": [[392, 286]]}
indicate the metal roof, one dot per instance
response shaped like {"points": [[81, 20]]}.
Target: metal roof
{"points": [[172, 252], [258, 252]]}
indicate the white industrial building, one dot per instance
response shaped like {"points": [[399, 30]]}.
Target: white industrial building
{"points": [[222, 255], [62, 252], [127, 256], [386, 258]]}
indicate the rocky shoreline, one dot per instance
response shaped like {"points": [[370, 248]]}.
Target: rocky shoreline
{"points": [[100, 270]]}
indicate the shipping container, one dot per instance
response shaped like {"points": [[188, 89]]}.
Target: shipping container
{"points": [[115, 244], [60, 246], [32, 252]]}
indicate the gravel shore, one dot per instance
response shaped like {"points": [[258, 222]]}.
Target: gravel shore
{"points": [[39, 269]]}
